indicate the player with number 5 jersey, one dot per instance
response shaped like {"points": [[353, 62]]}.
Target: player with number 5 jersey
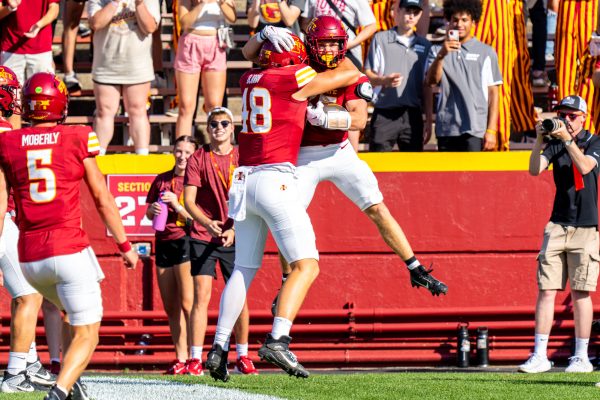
{"points": [[264, 196], [44, 165]]}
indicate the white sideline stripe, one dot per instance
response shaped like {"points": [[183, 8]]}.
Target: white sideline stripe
{"points": [[111, 388]]}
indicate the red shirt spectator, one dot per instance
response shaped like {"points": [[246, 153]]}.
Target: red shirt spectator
{"points": [[21, 21], [204, 170]]}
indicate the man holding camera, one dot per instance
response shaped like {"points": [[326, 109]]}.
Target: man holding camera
{"points": [[570, 246]]}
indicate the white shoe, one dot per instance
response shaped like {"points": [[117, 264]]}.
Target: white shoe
{"points": [[579, 364], [535, 364]]}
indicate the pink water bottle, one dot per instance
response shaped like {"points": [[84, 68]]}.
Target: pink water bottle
{"points": [[160, 220]]}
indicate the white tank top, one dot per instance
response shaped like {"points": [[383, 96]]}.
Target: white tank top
{"points": [[210, 17]]}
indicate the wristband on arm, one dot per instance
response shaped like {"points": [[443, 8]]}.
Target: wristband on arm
{"points": [[125, 246]]}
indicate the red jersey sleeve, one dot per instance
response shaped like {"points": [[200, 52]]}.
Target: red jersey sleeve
{"points": [[193, 176]]}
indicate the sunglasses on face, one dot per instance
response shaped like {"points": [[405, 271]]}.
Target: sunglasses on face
{"points": [[215, 124], [571, 116]]}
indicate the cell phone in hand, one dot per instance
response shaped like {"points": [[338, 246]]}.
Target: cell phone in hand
{"points": [[453, 34]]}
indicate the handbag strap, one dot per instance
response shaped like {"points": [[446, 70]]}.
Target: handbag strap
{"points": [[341, 16]]}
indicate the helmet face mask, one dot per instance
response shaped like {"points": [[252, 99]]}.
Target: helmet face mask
{"points": [[10, 92], [321, 33], [45, 98], [271, 58]]}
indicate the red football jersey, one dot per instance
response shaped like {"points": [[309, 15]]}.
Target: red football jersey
{"points": [[211, 173], [6, 126], [315, 135], [44, 166], [272, 121]]}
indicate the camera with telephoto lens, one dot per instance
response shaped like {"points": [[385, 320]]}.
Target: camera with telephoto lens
{"points": [[551, 124]]}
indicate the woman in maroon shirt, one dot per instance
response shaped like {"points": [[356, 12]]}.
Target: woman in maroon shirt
{"points": [[173, 250]]}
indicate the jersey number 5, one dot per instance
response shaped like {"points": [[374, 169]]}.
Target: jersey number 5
{"points": [[38, 173], [259, 116]]}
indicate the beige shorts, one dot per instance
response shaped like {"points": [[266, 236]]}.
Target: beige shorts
{"points": [[571, 253], [25, 65]]}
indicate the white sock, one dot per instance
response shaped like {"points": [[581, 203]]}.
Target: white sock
{"points": [[32, 355], [222, 336], [142, 152], [581, 348], [413, 264], [241, 350], [197, 352], [281, 327], [102, 151], [541, 345], [17, 362]]}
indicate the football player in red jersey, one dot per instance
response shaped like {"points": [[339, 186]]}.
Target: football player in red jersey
{"points": [[24, 367], [44, 165], [325, 154], [264, 195]]}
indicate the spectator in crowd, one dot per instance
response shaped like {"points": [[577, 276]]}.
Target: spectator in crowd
{"points": [[71, 18], [201, 56], [64, 270], [355, 14], [539, 16], [122, 65], [522, 110], [360, 24], [173, 250], [281, 13], [502, 27], [577, 20], [398, 81], [467, 111], [207, 182], [23, 368], [26, 39], [570, 246]]}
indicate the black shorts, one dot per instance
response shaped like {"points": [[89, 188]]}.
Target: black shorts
{"points": [[172, 252], [204, 257]]}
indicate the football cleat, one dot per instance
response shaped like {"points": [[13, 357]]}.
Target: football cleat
{"points": [[40, 375], [244, 365], [193, 366], [177, 368], [79, 391], [422, 277], [277, 352], [216, 363], [55, 394], [16, 383]]}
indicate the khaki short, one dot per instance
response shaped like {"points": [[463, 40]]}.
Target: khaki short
{"points": [[571, 253]]}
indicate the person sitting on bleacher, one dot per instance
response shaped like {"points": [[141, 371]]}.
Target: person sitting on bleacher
{"points": [[201, 55], [123, 65]]}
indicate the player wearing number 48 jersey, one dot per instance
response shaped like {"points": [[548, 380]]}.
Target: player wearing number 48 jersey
{"points": [[44, 165], [264, 196]]}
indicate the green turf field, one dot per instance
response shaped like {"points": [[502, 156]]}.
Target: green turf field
{"points": [[404, 385]]}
